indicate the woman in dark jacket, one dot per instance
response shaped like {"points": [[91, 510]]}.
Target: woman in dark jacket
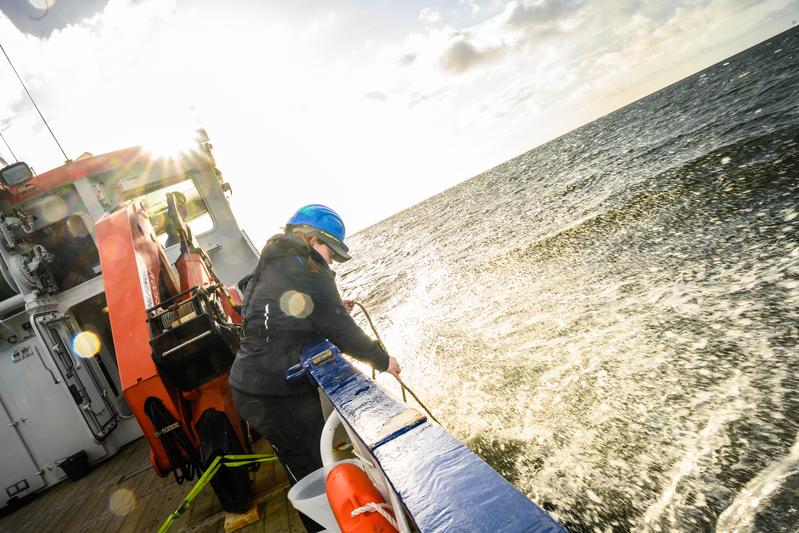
{"points": [[291, 298]]}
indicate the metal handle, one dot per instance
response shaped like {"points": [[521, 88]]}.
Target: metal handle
{"points": [[52, 375], [191, 340], [15, 423]]}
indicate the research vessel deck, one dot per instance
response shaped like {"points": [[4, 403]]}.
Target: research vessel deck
{"points": [[123, 493]]}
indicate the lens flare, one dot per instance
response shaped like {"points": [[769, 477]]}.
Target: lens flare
{"points": [[296, 304], [53, 209], [76, 226], [86, 344], [122, 502]]}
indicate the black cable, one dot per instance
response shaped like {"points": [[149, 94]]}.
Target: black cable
{"points": [[34, 104], [176, 444], [9, 148]]}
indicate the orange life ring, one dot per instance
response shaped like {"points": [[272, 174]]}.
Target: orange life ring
{"points": [[349, 488]]}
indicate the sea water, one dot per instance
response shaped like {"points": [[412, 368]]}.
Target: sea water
{"points": [[610, 319]]}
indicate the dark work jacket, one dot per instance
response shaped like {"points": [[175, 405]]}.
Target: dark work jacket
{"points": [[291, 298]]}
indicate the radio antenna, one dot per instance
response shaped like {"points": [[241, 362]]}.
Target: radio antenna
{"points": [[9, 148], [68, 160]]}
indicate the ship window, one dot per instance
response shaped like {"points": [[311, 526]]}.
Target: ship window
{"points": [[197, 217], [75, 257]]}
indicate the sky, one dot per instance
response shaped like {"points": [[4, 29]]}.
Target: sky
{"points": [[368, 107]]}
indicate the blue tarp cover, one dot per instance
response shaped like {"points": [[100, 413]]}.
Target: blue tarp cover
{"points": [[443, 485]]}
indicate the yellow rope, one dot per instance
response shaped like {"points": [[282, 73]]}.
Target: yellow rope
{"points": [[219, 461]]}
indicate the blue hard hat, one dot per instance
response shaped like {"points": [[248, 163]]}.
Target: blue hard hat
{"points": [[328, 225]]}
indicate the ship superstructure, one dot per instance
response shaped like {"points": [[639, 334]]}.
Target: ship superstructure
{"points": [[60, 389]]}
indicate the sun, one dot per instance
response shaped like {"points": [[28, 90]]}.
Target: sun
{"points": [[172, 142]]}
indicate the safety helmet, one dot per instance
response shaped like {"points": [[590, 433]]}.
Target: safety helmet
{"points": [[328, 226]]}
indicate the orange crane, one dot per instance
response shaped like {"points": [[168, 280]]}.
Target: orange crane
{"points": [[176, 331]]}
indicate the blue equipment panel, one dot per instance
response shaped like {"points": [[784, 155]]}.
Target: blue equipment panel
{"points": [[444, 486]]}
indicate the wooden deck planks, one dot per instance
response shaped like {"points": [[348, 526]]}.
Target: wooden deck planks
{"points": [[161, 503], [56, 508], [276, 517], [39, 511], [205, 506], [147, 491], [294, 519], [95, 513], [84, 505], [237, 522]]}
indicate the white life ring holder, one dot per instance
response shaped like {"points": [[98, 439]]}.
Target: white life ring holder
{"points": [[328, 461]]}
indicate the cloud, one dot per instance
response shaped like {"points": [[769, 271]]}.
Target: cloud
{"points": [[419, 97], [462, 56], [377, 96], [563, 59], [42, 17], [407, 59], [430, 15], [473, 5], [523, 15], [515, 30]]}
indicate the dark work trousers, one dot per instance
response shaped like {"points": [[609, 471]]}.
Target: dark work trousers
{"points": [[293, 425]]}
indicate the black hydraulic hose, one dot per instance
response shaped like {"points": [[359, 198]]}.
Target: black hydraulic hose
{"points": [[174, 441], [383, 346]]}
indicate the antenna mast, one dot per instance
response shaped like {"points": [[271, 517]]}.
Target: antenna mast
{"points": [[9, 148], [68, 160]]}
